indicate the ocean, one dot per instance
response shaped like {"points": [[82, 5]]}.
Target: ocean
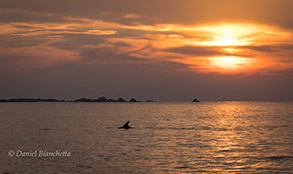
{"points": [[167, 137]]}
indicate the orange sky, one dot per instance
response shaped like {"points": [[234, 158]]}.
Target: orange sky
{"points": [[211, 39]]}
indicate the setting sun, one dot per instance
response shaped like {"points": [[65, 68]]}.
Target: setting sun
{"points": [[227, 39], [231, 63], [228, 59], [237, 34]]}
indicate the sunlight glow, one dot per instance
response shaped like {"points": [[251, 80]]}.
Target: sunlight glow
{"points": [[230, 62], [228, 59], [227, 34], [227, 39], [218, 47]]}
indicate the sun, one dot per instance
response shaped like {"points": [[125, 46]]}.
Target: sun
{"points": [[228, 59], [227, 38], [227, 34], [229, 62], [226, 41]]}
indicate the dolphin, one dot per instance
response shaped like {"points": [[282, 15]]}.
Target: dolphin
{"points": [[125, 126]]}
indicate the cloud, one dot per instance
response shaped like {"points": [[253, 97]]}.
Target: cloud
{"points": [[108, 33], [131, 16], [151, 12], [36, 57], [11, 15], [103, 55], [33, 29], [196, 50], [272, 48]]}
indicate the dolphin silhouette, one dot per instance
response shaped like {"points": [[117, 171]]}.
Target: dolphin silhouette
{"points": [[125, 126]]}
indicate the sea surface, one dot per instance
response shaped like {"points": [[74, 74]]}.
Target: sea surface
{"points": [[168, 137]]}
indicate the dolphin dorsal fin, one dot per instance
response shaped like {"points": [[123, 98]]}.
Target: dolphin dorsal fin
{"points": [[126, 124]]}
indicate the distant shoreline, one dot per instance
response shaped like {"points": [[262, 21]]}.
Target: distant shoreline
{"points": [[98, 100], [120, 100]]}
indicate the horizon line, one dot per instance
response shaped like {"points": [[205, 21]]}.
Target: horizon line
{"points": [[2, 100]]}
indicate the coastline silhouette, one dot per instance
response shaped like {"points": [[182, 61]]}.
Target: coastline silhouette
{"points": [[195, 100], [100, 99]]}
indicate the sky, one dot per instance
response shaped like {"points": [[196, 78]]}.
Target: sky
{"points": [[167, 50]]}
